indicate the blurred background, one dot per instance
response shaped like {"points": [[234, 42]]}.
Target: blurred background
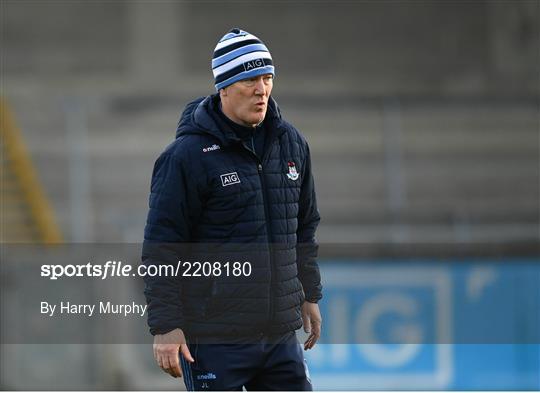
{"points": [[422, 118]]}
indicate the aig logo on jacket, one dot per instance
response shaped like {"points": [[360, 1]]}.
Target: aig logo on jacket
{"points": [[228, 179]]}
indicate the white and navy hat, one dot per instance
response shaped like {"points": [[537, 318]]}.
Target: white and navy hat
{"points": [[240, 55]]}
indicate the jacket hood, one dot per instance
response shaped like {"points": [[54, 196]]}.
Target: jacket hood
{"points": [[200, 117]]}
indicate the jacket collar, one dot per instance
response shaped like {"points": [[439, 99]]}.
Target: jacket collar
{"points": [[207, 120]]}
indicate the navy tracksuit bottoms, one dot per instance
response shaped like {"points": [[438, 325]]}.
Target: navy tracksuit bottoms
{"points": [[267, 364]]}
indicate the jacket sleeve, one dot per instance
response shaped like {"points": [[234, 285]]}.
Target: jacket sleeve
{"points": [[307, 247], [174, 206]]}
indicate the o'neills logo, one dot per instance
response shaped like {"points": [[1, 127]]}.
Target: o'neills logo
{"points": [[206, 376], [210, 148], [252, 64]]}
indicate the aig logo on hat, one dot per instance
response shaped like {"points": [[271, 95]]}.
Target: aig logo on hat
{"points": [[228, 179], [255, 63]]}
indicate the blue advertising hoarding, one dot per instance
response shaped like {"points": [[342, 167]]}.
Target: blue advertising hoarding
{"points": [[466, 325]]}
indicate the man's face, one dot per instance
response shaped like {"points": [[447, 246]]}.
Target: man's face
{"points": [[245, 102]]}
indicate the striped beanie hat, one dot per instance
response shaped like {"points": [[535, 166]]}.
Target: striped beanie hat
{"points": [[239, 55]]}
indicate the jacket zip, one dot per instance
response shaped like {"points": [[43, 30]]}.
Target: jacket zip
{"points": [[268, 228], [269, 235]]}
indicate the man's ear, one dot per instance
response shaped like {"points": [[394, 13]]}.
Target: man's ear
{"points": [[223, 92]]}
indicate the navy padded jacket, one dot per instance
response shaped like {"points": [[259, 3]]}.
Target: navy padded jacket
{"points": [[208, 187]]}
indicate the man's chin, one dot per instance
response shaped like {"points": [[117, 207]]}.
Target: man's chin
{"points": [[256, 120], [259, 116]]}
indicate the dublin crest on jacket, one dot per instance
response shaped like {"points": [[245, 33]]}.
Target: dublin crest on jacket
{"points": [[293, 174]]}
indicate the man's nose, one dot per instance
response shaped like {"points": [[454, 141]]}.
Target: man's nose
{"points": [[260, 87]]}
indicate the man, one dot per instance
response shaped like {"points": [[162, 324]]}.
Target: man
{"points": [[237, 174]]}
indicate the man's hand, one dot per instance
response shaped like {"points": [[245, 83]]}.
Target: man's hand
{"points": [[311, 316], [166, 351]]}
